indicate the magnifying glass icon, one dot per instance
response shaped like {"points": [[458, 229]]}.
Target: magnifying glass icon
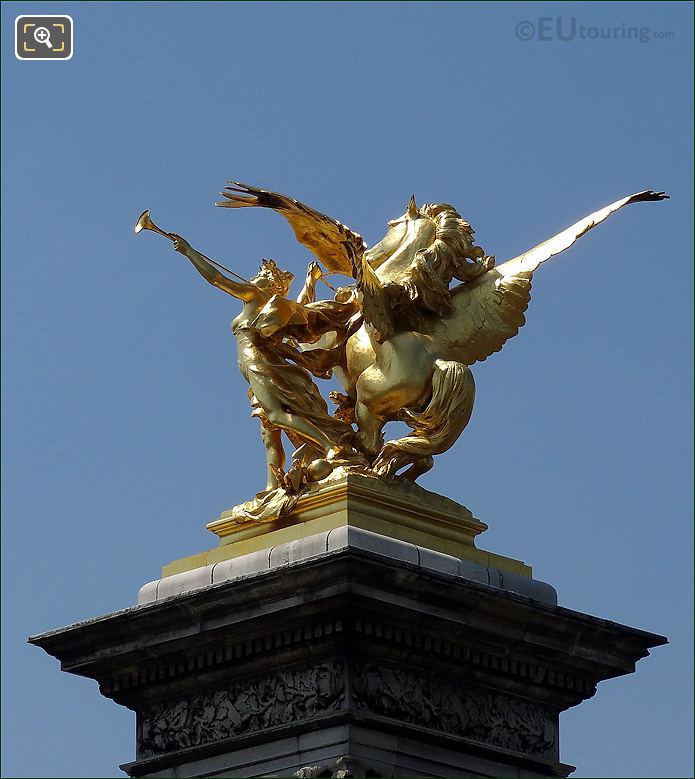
{"points": [[41, 35]]}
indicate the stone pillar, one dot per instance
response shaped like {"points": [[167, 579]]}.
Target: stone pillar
{"points": [[364, 635]]}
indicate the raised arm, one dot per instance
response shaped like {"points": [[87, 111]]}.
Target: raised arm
{"points": [[308, 291], [210, 273]]}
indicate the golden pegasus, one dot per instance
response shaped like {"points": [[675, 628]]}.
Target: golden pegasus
{"points": [[410, 358]]}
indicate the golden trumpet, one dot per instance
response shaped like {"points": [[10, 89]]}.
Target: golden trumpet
{"points": [[145, 223]]}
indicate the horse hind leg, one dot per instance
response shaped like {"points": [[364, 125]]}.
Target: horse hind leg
{"points": [[436, 428]]}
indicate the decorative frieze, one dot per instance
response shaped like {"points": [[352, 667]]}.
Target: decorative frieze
{"points": [[279, 698], [285, 697], [427, 701]]}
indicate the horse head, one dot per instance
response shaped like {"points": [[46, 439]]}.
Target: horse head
{"points": [[406, 236], [436, 235]]}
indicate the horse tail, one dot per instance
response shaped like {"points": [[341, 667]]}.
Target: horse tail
{"points": [[436, 428]]}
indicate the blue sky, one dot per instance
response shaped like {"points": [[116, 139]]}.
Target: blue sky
{"points": [[126, 426]]}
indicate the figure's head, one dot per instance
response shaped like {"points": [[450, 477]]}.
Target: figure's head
{"points": [[273, 278]]}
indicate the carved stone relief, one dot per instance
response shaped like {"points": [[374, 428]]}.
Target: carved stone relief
{"points": [[428, 702], [252, 705]]}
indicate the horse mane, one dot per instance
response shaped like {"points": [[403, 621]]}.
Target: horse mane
{"points": [[452, 254]]}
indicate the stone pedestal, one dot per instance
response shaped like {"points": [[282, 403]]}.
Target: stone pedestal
{"points": [[352, 645]]}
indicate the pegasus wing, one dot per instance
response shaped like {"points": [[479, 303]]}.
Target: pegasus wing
{"points": [[530, 260], [334, 244], [374, 301], [488, 311], [485, 314]]}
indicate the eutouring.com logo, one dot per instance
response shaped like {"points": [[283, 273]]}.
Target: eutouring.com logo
{"points": [[566, 29]]}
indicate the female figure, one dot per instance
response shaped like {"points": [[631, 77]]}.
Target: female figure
{"points": [[267, 330]]}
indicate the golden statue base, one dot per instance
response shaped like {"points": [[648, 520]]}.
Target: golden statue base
{"points": [[397, 508]]}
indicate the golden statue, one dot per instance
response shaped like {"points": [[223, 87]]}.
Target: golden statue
{"points": [[400, 339]]}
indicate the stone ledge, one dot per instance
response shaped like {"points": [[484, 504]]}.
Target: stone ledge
{"points": [[506, 633], [338, 539], [394, 508]]}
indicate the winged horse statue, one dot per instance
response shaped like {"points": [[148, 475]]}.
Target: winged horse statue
{"points": [[410, 358]]}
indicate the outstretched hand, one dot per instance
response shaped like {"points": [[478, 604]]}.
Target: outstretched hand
{"points": [[314, 272], [181, 245]]}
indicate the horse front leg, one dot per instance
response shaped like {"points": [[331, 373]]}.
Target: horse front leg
{"points": [[370, 430], [418, 467]]}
